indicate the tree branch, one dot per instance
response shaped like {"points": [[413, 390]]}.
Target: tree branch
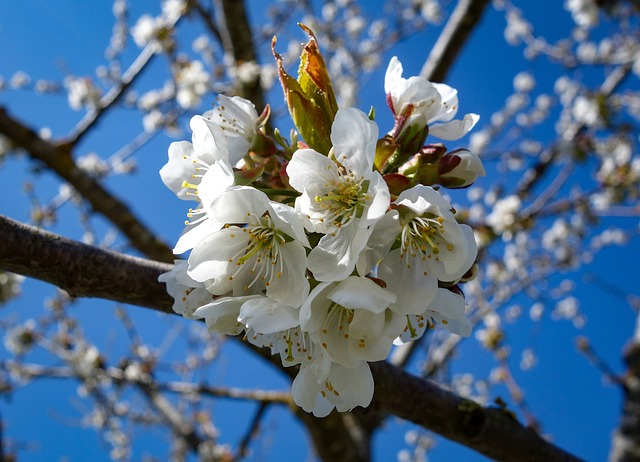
{"points": [[625, 443], [452, 38], [57, 157], [91, 272], [237, 40], [79, 269]]}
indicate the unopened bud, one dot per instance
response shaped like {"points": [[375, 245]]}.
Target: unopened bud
{"points": [[310, 99], [459, 169]]}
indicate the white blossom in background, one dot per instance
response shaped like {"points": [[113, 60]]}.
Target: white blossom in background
{"points": [[173, 9], [153, 121], [193, 82], [9, 285], [82, 93], [20, 339], [524, 82], [583, 12], [503, 215], [19, 80], [586, 111]]}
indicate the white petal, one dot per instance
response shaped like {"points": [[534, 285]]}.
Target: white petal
{"points": [[393, 75], [208, 140], [335, 257], [355, 385], [291, 287], [236, 203], [309, 169], [414, 289], [221, 315], [381, 200], [362, 293], [210, 258], [305, 391], [422, 198], [455, 129], [289, 221], [193, 234], [449, 98], [452, 309], [178, 170], [314, 307], [217, 179], [267, 316], [371, 335], [354, 139], [384, 234], [469, 248]]}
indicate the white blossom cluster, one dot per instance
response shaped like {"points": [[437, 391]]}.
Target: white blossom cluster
{"points": [[331, 280]]}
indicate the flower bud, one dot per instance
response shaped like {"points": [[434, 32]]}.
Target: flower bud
{"points": [[459, 169], [310, 99]]}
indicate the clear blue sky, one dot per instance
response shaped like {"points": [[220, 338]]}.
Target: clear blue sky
{"points": [[49, 39]]}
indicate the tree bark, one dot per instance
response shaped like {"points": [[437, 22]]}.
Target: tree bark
{"points": [[625, 444]]}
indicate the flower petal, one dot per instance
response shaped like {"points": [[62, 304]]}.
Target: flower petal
{"points": [[354, 139], [455, 129], [361, 294], [267, 316]]}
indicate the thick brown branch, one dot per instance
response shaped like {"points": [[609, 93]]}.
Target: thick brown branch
{"points": [[237, 39], [81, 270], [453, 37], [489, 431], [58, 158], [92, 272], [625, 444]]}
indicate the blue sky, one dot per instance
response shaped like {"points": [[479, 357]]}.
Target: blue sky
{"points": [[48, 40]]}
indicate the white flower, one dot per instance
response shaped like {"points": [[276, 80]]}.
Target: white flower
{"points": [[342, 198], [259, 250], [447, 309], [188, 295], [584, 12], [221, 314], [292, 344], [425, 103], [433, 247], [199, 171], [350, 320], [322, 385], [239, 121]]}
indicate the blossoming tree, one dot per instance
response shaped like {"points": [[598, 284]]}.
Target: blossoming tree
{"points": [[362, 243]]}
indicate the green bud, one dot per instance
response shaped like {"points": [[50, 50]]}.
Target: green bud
{"points": [[310, 99]]}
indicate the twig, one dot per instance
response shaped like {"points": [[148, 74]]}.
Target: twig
{"points": [[452, 38], [251, 432], [58, 158]]}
